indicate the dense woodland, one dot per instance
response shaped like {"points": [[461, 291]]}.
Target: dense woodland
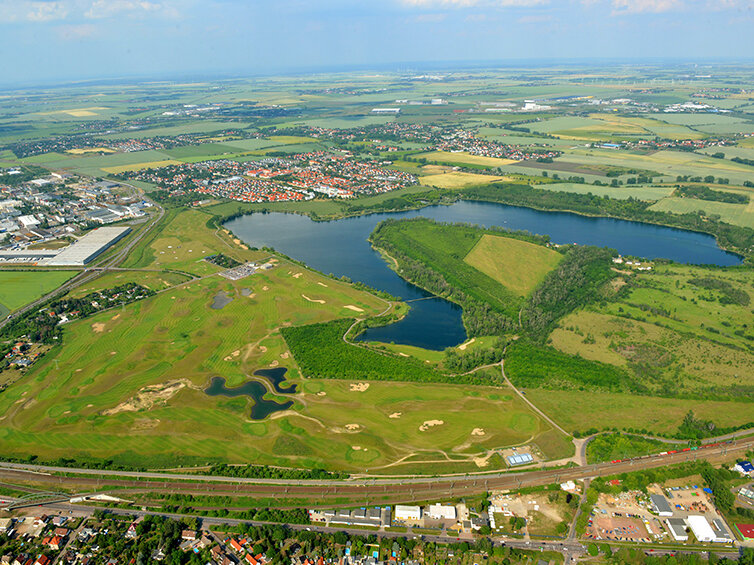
{"points": [[577, 281], [321, 352]]}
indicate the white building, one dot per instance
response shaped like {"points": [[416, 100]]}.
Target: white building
{"points": [[440, 512], [29, 220], [701, 528], [677, 528], [408, 513]]}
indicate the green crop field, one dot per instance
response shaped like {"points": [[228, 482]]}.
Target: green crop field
{"points": [[517, 265], [18, 288]]}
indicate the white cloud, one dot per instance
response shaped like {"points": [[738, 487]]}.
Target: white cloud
{"points": [[32, 10], [644, 6], [108, 8], [473, 3]]}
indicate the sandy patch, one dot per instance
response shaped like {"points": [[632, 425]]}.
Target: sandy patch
{"points": [[481, 461], [395, 415], [353, 427], [78, 370], [265, 288], [149, 396], [322, 284], [478, 432], [98, 327], [115, 317], [236, 353], [430, 424], [359, 387], [113, 353], [318, 301], [463, 346], [297, 275], [354, 308], [252, 295]]}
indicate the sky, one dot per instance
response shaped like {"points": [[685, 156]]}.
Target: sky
{"points": [[48, 41]]}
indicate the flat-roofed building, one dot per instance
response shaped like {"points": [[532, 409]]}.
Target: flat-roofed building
{"points": [[408, 513], [661, 505], [677, 528], [89, 246]]}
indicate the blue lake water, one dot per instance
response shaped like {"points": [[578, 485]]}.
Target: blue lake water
{"points": [[340, 247]]}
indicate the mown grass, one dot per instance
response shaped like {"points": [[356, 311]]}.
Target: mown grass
{"points": [[18, 288]]}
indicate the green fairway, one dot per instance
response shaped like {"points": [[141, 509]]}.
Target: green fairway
{"points": [[517, 265], [150, 394], [21, 287]]}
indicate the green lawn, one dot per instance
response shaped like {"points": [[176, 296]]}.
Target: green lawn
{"points": [[18, 288]]}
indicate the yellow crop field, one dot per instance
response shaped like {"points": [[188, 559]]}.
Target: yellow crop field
{"points": [[84, 150], [137, 166], [76, 112], [464, 158], [458, 180], [517, 265]]}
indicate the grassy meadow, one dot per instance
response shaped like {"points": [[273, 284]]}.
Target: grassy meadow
{"points": [[18, 288]]}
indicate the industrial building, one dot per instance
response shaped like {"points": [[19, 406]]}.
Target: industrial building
{"points": [[519, 459], [408, 513], [677, 528], [440, 512], [661, 505], [88, 247]]}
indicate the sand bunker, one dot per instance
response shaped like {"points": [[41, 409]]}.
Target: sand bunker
{"points": [[430, 424], [395, 415], [274, 363], [98, 327], [263, 349], [236, 353], [115, 317], [359, 387], [353, 427], [321, 393], [313, 299], [463, 346], [297, 275], [322, 284], [149, 396], [354, 308], [356, 447], [478, 432], [285, 355]]}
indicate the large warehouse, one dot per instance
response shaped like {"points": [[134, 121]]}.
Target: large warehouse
{"points": [[88, 247]]}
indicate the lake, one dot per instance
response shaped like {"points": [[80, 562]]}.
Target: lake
{"points": [[340, 247]]}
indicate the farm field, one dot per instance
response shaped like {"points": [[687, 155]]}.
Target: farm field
{"points": [[458, 179], [463, 158], [517, 265], [18, 288]]}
